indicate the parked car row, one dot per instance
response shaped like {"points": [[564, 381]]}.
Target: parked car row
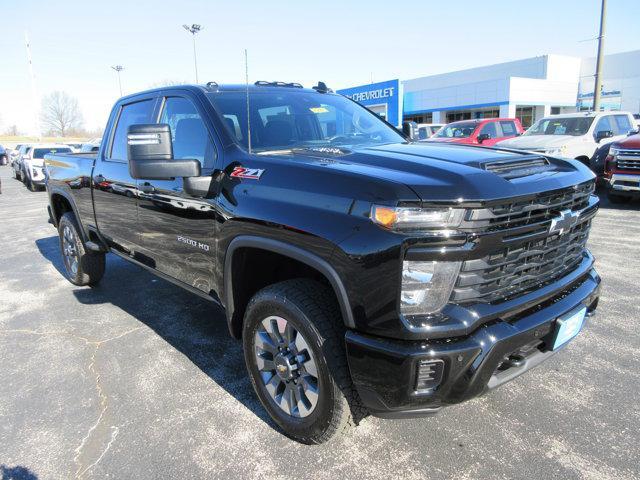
{"points": [[29, 164], [583, 136], [27, 159]]}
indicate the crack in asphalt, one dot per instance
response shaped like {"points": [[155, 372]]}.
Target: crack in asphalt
{"points": [[90, 451]]}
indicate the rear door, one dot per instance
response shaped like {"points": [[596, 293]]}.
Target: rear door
{"points": [[178, 230], [509, 129], [115, 193]]}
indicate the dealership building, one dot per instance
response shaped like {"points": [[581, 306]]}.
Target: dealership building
{"points": [[527, 89]]}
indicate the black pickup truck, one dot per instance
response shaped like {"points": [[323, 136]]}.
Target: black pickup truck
{"points": [[364, 273]]}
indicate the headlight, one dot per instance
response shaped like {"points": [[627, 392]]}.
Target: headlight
{"points": [[426, 286], [556, 152], [412, 218]]}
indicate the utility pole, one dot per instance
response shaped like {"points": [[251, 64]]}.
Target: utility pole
{"points": [[34, 93], [193, 29], [118, 69], [597, 88]]}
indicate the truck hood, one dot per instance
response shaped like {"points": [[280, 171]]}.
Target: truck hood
{"points": [[632, 142], [444, 172], [537, 142]]}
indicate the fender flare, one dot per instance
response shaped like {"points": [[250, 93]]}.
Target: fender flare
{"points": [[74, 209], [290, 251]]}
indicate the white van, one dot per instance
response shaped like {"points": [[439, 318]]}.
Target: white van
{"points": [[573, 135]]}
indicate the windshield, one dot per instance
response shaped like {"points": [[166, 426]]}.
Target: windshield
{"points": [[41, 152], [574, 126], [457, 130], [300, 119]]}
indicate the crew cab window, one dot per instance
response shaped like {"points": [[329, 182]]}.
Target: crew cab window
{"points": [[490, 128], [131, 114], [508, 129], [622, 124], [188, 131], [603, 125]]}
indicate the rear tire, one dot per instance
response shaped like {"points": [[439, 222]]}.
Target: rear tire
{"points": [[81, 267], [322, 394]]}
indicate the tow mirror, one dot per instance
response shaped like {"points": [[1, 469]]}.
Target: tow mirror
{"points": [[602, 134], [483, 136], [410, 130], [150, 154]]}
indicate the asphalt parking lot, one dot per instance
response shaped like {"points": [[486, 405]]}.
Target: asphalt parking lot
{"points": [[139, 379]]}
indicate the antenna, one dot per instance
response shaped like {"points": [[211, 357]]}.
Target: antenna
{"points": [[246, 75]]}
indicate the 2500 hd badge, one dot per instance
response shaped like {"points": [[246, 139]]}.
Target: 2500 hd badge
{"points": [[193, 243]]}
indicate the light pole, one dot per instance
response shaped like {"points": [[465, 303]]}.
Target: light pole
{"points": [[598, 82], [193, 29], [118, 69]]}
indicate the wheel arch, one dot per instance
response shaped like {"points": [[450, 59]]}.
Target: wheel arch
{"points": [[60, 203], [235, 307]]}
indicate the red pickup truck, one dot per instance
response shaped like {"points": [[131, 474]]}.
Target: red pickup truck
{"points": [[622, 170], [485, 131]]}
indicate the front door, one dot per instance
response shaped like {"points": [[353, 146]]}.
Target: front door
{"points": [[177, 230], [114, 193]]}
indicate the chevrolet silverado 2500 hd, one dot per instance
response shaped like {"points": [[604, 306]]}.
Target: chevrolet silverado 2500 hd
{"points": [[362, 272]]}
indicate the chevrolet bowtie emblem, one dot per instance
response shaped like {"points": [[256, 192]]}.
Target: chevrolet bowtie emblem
{"points": [[563, 222], [282, 368]]}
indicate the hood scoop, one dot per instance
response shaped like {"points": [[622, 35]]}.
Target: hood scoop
{"points": [[521, 167]]}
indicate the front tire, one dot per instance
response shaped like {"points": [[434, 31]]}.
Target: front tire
{"points": [[293, 340], [81, 267]]}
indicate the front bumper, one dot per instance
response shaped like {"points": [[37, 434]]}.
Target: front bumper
{"points": [[384, 371], [628, 185]]}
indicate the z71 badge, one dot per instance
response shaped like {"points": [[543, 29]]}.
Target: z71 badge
{"points": [[251, 173]]}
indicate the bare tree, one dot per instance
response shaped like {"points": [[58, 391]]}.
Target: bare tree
{"points": [[12, 131], [60, 113]]}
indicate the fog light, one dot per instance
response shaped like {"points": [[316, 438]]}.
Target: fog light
{"points": [[426, 286], [429, 374]]}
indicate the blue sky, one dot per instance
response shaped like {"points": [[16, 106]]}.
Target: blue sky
{"points": [[74, 43]]}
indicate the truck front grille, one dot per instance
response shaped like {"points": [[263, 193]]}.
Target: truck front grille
{"points": [[539, 209], [519, 269], [628, 159]]}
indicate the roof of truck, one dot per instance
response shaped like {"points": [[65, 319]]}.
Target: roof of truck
{"points": [[212, 87]]}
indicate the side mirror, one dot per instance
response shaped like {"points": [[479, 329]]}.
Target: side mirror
{"points": [[150, 154], [410, 130], [602, 134], [483, 136]]}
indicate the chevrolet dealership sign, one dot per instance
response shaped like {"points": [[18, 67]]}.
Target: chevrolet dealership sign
{"points": [[373, 94], [384, 98]]}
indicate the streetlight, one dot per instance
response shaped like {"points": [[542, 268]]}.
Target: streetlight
{"points": [[118, 69], [598, 81], [193, 29]]}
